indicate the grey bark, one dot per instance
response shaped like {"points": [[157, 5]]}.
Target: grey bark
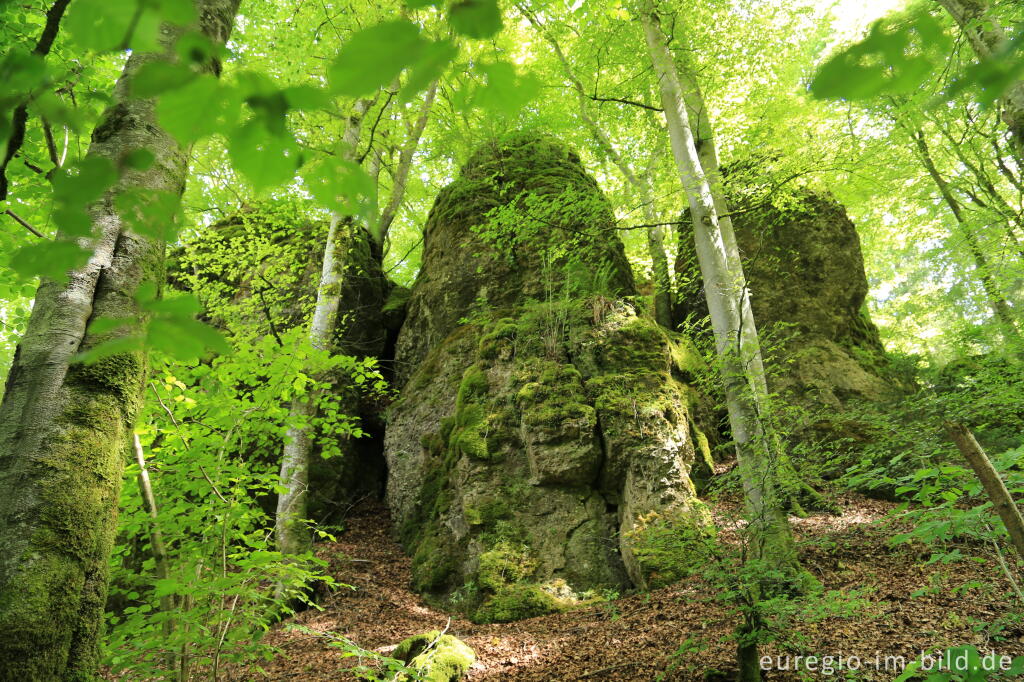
{"points": [[731, 318], [405, 158], [988, 40], [991, 481], [999, 304], [64, 427], [291, 532], [156, 539]]}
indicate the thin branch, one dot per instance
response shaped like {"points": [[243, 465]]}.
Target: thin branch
{"points": [[373, 129], [24, 223], [51, 144], [184, 442], [20, 117], [622, 100]]}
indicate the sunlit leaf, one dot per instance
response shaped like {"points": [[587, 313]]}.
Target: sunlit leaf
{"points": [[373, 57], [432, 63], [264, 159], [475, 18]]}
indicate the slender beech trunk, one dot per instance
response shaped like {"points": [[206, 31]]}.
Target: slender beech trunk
{"points": [[640, 183], [731, 318], [291, 531], [990, 480], [156, 540], [64, 427], [988, 40], [405, 157], [997, 301]]}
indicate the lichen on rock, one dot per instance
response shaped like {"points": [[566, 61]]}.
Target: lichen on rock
{"points": [[542, 410]]}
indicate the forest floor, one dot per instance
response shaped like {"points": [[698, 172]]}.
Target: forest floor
{"points": [[910, 607]]}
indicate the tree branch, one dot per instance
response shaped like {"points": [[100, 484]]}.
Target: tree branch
{"points": [[24, 223], [20, 117], [621, 100]]}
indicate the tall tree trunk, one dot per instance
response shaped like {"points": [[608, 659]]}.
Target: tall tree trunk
{"points": [[988, 40], [1000, 307], [655, 232], [291, 531], [405, 158], [64, 428], [731, 319]]}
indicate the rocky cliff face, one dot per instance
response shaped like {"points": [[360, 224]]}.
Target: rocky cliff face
{"points": [[545, 426], [806, 276]]}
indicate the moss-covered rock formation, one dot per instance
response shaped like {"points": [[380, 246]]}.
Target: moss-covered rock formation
{"points": [[805, 271], [542, 414]]}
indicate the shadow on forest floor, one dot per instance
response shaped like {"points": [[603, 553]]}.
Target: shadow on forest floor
{"points": [[634, 638]]}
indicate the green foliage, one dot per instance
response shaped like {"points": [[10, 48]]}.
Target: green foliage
{"points": [[902, 52], [211, 492], [950, 506], [895, 58]]}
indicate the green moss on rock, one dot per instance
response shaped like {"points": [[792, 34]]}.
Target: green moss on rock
{"points": [[436, 657], [517, 602]]}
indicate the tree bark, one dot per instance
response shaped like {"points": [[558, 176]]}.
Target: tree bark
{"points": [[405, 158], [156, 539], [993, 484], [731, 319], [291, 532], [64, 427], [988, 40]]}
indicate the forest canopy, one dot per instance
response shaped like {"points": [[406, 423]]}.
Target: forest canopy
{"points": [[550, 293]]}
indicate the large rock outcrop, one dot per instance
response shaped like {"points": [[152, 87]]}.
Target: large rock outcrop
{"points": [[257, 274], [805, 271], [544, 421]]}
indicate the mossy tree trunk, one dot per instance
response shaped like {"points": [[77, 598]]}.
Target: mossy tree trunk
{"points": [[65, 428], [731, 318]]}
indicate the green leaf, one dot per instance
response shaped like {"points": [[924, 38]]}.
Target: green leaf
{"points": [[150, 213], [373, 57], [157, 77], [108, 348], [475, 18], [85, 182], [895, 58], [431, 65], [99, 25], [104, 325], [185, 305], [49, 259], [306, 98], [342, 186], [184, 338], [138, 159], [420, 4], [264, 159], [506, 91], [198, 109]]}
